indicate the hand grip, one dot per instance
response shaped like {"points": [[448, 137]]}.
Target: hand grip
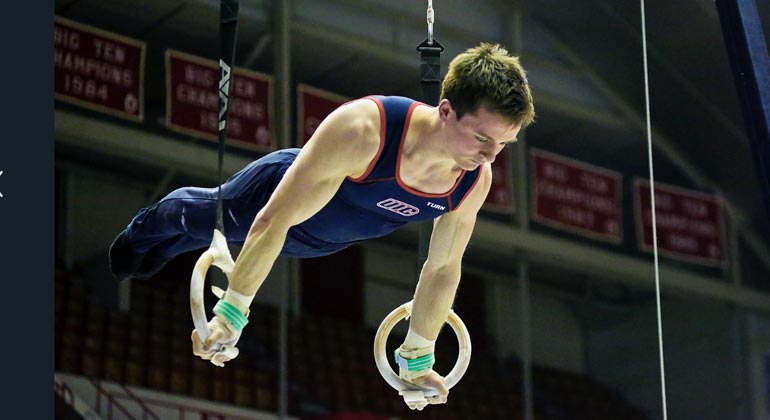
{"points": [[218, 254], [405, 388]]}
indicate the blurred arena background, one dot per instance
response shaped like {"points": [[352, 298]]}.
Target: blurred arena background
{"points": [[558, 283]]}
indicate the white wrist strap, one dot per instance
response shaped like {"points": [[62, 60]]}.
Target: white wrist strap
{"points": [[240, 301], [416, 345], [415, 356]]}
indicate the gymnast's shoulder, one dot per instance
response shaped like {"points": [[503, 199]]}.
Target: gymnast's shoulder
{"points": [[354, 128]]}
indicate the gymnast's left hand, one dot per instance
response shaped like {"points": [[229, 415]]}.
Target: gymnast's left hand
{"points": [[222, 333], [433, 380]]}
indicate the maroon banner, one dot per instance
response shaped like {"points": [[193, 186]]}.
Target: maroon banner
{"points": [[500, 197], [313, 105], [575, 196], [98, 70], [192, 102], [689, 223]]}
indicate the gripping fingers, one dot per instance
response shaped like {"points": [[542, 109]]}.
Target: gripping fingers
{"points": [[226, 354], [433, 381], [212, 348], [206, 349], [198, 348], [217, 334], [415, 400], [437, 399]]}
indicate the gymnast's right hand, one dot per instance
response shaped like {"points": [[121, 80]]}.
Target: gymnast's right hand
{"points": [[219, 346], [432, 380]]}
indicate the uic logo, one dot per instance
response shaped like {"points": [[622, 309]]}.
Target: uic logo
{"points": [[398, 207]]}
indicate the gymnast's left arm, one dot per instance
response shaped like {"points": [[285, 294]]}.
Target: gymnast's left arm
{"points": [[438, 283]]}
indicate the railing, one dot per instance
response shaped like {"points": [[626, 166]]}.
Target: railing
{"points": [[112, 401], [116, 401], [182, 411], [206, 414], [63, 390]]}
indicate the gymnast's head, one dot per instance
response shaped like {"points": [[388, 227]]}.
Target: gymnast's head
{"points": [[487, 76]]}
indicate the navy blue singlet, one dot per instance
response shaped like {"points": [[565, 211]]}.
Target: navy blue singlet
{"points": [[377, 202]]}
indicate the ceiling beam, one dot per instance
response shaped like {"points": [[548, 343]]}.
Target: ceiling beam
{"points": [[133, 144], [683, 81]]}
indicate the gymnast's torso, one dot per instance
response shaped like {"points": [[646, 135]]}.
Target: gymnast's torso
{"points": [[372, 205]]}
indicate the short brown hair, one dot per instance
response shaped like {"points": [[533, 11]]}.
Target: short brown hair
{"points": [[488, 76]]}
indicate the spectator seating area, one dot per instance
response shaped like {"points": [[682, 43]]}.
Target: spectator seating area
{"points": [[331, 368]]}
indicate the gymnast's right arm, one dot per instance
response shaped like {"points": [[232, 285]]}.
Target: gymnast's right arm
{"points": [[343, 145]]}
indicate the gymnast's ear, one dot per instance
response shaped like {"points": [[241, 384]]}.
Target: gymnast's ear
{"points": [[445, 109]]}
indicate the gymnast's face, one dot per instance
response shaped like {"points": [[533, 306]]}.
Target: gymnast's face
{"points": [[476, 138]]}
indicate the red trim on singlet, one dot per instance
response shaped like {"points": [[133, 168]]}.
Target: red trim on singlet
{"points": [[374, 161], [401, 183], [389, 178], [467, 193]]}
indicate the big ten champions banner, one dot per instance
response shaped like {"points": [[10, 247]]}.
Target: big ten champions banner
{"points": [[98, 70], [192, 102], [577, 197], [313, 105], [689, 224]]}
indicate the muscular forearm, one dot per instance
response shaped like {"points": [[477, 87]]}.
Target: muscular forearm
{"points": [[260, 250], [262, 246], [433, 300]]}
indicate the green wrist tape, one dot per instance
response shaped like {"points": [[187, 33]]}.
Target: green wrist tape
{"points": [[414, 365], [232, 314]]}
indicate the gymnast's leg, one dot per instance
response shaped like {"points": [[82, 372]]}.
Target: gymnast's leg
{"points": [[184, 220], [160, 232]]}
